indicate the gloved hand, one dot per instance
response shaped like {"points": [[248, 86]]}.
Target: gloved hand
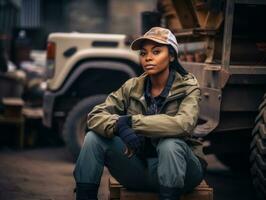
{"points": [[127, 134]]}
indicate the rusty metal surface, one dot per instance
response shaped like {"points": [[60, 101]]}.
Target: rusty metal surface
{"points": [[235, 121], [240, 100], [248, 69], [262, 2], [212, 79], [227, 38], [253, 54], [237, 99], [183, 14], [230, 93], [229, 99], [208, 75], [235, 94], [215, 77], [196, 69], [209, 111]]}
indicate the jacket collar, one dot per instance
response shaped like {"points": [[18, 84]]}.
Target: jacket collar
{"points": [[164, 93], [180, 85]]}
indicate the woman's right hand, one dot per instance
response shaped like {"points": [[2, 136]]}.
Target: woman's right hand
{"points": [[128, 135]]}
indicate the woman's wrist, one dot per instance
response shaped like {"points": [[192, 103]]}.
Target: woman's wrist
{"points": [[123, 122]]}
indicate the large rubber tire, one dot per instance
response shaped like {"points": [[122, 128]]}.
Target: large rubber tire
{"points": [[258, 152], [74, 129]]}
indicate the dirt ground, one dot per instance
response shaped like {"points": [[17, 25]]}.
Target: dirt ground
{"points": [[46, 174], [35, 174]]}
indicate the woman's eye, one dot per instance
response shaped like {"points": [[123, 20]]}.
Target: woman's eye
{"points": [[142, 53], [156, 52]]}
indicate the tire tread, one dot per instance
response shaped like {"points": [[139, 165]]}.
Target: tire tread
{"points": [[258, 152]]}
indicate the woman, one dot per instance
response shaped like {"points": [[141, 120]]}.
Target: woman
{"points": [[142, 132]]}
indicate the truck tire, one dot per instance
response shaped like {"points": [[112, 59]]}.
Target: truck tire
{"points": [[258, 152], [74, 129]]}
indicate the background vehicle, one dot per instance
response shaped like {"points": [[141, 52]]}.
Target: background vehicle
{"points": [[83, 69]]}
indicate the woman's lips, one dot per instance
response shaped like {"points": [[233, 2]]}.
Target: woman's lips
{"points": [[149, 66]]}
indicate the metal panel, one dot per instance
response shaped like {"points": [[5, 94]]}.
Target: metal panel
{"points": [[235, 121], [209, 111], [30, 13], [227, 38], [240, 69], [257, 2]]}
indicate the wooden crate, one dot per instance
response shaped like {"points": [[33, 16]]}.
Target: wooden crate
{"points": [[114, 187], [201, 192]]}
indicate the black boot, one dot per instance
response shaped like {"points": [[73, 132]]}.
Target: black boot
{"points": [[167, 193], [86, 191]]}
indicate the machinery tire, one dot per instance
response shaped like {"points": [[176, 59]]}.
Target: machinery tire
{"points": [[258, 152], [74, 129]]}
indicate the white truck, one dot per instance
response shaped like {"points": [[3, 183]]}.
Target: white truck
{"points": [[82, 70]]}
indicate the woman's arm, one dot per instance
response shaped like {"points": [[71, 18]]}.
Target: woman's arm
{"points": [[103, 117], [180, 125]]}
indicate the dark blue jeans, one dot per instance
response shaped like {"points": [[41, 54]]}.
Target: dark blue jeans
{"points": [[176, 166]]}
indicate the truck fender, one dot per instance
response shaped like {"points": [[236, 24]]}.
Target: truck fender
{"points": [[49, 97], [113, 65]]}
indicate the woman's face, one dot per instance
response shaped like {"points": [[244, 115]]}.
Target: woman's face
{"points": [[155, 58]]}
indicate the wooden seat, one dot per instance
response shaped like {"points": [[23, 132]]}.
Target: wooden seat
{"points": [[201, 192]]}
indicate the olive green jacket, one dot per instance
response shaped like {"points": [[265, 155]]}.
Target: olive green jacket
{"points": [[177, 118]]}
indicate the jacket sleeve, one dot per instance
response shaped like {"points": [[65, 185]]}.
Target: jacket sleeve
{"points": [[180, 125], [103, 117]]}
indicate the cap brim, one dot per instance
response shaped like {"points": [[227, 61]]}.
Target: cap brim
{"points": [[137, 44]]}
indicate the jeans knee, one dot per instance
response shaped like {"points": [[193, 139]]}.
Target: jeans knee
{"points": [[172, 155], [171, 146], [91, 139]]}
